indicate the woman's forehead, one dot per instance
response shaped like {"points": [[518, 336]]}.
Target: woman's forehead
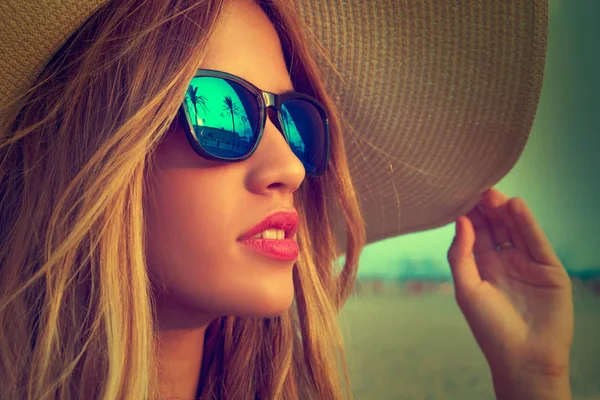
{"points": [[247, 45]]}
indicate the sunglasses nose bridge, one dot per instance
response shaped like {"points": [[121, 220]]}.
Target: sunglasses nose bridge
{"points": [[269, 99], [270, 102], [272, 111]]}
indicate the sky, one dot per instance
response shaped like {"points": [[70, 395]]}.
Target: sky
{"points": [[558, 174]]}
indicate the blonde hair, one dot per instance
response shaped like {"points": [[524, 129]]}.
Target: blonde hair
{"points": [[76, 308]]}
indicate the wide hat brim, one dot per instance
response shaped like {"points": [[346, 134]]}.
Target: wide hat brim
{"points": [[438, 98]]}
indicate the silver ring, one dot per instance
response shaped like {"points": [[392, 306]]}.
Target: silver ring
{"points": [[504, 245]]}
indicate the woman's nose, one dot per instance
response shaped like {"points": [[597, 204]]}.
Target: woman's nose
{"points": [[273, 164]]}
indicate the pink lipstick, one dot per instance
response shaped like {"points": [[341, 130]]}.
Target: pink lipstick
{"points": [[285, 249]]}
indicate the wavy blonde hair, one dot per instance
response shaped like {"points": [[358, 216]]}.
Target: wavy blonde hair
{"points": [[76, 308]]}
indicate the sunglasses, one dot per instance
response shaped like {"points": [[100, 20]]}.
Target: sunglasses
{"points": [[224, 118]]}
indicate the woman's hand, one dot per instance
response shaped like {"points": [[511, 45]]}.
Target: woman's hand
{"points": [[517, 300]]}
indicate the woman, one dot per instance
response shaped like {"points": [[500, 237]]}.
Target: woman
{"points": [[128, 267]]}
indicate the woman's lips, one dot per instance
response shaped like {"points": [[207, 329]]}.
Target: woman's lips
{"points": [[282, 220], [279, 249]]}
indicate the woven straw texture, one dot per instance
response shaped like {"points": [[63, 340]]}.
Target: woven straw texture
{"points": [[30, 33], [439, 98]]}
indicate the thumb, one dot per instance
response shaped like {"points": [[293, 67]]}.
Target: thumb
{"points": [[461, 259]]}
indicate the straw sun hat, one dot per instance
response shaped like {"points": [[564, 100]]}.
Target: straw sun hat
{"points": [[438, 97]]}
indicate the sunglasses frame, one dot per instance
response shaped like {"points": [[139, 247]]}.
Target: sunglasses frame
{"points": [[264, 100]]}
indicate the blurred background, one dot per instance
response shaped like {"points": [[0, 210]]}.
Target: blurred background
{"points": [[405, 336]]}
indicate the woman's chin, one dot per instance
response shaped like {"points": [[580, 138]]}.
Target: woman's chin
{"points": [[266, 304]]}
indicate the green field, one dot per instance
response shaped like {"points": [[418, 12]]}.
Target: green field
{"points": [[420, 347]]}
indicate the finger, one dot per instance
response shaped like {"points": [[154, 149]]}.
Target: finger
{"points": [[504, 228], [462, 263], [515, 234], [537, 243], [493, 203], [484, 240]]}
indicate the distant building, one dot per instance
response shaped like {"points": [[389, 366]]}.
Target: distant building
{"points": [[426, 284], [446, 288], [369, 285], [413, 286], [378, 286]]}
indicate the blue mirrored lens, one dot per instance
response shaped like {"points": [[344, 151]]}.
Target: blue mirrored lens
{"points": [[305, 131], [224, 116]]}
